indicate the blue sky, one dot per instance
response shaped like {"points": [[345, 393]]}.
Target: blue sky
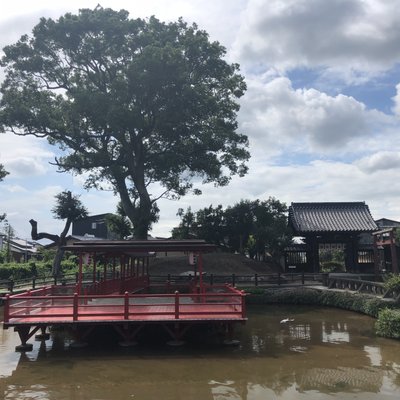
{"points": [[322, 109]]}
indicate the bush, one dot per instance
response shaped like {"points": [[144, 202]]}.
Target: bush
{"points": [[332, 266], [392, 282], [388, 323], [14, 271], [69, 263], [348, 301], [17, 271]]}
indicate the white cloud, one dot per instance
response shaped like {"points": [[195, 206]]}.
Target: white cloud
{"points": [[396, 101], [380, 161], [275, 115], [15, 188], [351, 36], [319, 180], [24, 156]]}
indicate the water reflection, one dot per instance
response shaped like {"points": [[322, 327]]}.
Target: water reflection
{"points": [[320, 354]]}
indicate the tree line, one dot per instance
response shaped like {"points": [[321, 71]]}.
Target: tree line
{"points": [[256, 228]]}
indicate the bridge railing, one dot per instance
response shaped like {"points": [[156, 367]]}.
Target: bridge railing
{"points": [[49, 308], [362, 286], [243, 281]]}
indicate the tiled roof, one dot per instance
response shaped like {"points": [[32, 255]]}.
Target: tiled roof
{"points": [[331, 217]]}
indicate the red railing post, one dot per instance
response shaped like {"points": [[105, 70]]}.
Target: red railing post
{"points": [[7, 308], [75, 308], [126, 306], [176, 305]]}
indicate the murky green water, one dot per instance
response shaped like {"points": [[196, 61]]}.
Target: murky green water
{"points": [[322, 354]]}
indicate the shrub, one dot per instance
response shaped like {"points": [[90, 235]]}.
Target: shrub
{"points": [[332, 266], [348, 301], [388, 323], [70, 263], [392, 282], [15, 271]]}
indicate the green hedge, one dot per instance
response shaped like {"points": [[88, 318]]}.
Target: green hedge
{"points": [[42, 269], [358, 302], [17, 271]]}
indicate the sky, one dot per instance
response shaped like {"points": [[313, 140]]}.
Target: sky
{"points": [[322, 108]]}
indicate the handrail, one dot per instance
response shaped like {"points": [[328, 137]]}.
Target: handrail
{"points": [[74, 307], [361, 286]]}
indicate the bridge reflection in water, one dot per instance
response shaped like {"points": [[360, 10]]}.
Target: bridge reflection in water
{"points": [[322, 354]]}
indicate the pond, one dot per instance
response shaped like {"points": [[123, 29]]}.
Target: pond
{"points": [[318, 354]]}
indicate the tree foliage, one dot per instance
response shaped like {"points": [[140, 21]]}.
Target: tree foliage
{"points": [[132, 102], [118, 224], [3, 174], [68, 207], [256, 227]]}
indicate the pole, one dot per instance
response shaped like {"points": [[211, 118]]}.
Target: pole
{"points": [[80, 273], [94, 268], [200, 260]]}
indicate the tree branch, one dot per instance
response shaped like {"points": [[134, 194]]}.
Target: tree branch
{"points": [[42, 235]]}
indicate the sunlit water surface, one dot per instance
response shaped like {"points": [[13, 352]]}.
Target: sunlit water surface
{"points": [[321, 354]]}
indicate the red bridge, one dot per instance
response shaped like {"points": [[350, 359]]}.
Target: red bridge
{"points": [[124, 299]]}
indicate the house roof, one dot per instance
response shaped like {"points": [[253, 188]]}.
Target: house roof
{"points": [[340, 217], [22, 246], [385, 222]]}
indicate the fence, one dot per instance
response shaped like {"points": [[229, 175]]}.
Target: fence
{"points": [[244, 281]]}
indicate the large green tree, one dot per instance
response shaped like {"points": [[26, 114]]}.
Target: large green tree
{"points": [[132, 102], [207, 223]]}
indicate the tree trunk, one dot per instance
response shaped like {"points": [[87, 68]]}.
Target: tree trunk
{"points": [[57, 261], [141, 228], [141, 217], [241, 251]]}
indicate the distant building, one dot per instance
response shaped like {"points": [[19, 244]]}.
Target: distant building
{"points": [[385, 223], [331, 226], [93, 227], [20, 250]]}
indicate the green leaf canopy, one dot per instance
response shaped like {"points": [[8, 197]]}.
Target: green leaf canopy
{"points": [[131, 101]]}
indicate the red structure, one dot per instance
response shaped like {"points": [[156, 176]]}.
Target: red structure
{"points": [[386, 250], [123, 297]]}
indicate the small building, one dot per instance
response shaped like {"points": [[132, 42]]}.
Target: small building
{"points": [[20, 250], [94, 226], [330, 226], [384, 223]]}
